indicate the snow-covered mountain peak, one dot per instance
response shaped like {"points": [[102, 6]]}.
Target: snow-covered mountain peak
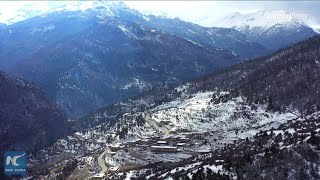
{"points": [[82, 6], [41, 8], [263, 19]]}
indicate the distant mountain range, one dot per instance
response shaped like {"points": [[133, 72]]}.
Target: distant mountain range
{"points": [[225, 38], [90, 54], [272, 29], [86, 59]]}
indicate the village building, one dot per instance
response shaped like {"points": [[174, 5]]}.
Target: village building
{"points": [[131, 143], [145, 140], [167, 138], [200, 135], [165, 122], [183, 130], [143, 146], [116, 147], [161, 142], [138, 141], [163, 149], [184, 140], [97, 176], [181, 144], [99, 141], [78, 135], [113, 169]]}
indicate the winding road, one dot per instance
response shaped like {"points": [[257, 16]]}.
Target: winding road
{"points": [[101, 160]]}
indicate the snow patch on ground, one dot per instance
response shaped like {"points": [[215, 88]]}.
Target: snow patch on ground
{"points": [[213, 167], [136, 83]]}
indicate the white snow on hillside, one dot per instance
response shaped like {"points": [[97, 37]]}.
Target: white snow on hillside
{"points": [[199, 114], [136, 83], [265, 20], [31, 9], [44, 29]]}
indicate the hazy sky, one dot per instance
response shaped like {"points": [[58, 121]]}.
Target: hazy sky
{"points": [[215, 10], [195, 11]]}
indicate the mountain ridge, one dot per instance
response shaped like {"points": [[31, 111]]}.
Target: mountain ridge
{"points": [[235, 81], [29, 121], [268, 27], [105, 58]]}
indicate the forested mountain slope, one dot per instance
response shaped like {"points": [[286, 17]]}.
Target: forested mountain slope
{"points": [[85, 59], [287, 79], [254, 119], [28, 120], [259, 119]]}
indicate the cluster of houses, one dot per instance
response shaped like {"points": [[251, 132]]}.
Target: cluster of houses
{"points": [[165, 144], [92, 142]]}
